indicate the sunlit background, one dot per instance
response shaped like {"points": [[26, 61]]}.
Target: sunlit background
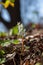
{"points": [[30, 11]]}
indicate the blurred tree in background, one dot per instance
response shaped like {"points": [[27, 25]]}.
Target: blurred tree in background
{"points": [[10, 16]]}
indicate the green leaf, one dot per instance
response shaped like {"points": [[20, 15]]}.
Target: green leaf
{"points": [[13, 1], [16, 41], [4, 42], [15, 30], [2, 60], [33, 25], [2, 34], [2, 52], [38, 63], [27, 47]]}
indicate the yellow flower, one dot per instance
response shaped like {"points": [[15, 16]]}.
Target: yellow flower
{"points": [[7, 3]]}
